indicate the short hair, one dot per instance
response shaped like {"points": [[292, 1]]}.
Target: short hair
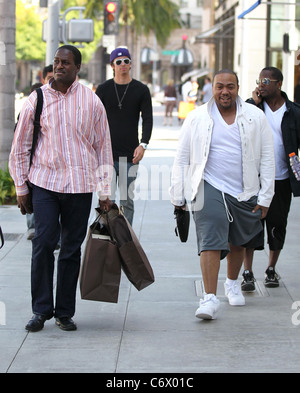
{"points": [[227, 71], [276, 73], [76, 53], [47, 69]]}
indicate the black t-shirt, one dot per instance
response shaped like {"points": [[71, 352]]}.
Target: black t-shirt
{"points": [[124, 123]]}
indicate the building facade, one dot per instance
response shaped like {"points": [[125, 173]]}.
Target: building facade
{"points": [[248, 35]]}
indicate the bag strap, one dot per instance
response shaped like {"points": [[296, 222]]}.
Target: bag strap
{"points": [[2, 238], [36, 123]]}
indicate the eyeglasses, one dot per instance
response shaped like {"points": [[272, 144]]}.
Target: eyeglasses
{"points": [[265, 81], [120, 61]]}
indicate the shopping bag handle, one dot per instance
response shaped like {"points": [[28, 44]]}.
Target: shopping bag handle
{"points": [[2, 238]]}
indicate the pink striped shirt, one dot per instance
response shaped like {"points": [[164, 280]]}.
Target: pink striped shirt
{"points": [[73, 152]]}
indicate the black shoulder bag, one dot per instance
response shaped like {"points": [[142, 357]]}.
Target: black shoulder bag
{"points": [[36, 123]]}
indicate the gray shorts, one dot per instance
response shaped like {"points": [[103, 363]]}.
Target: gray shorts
{"points": [[223, 220]]}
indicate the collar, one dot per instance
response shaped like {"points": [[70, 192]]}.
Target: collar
{"points": [[70, 90]]}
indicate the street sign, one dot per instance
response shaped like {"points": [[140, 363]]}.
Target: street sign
{"points": [[170, 52]]}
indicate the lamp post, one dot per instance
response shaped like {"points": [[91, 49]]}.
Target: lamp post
{"points": [[52, 30]]}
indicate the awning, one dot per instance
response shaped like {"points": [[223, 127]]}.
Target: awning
{"points": [[256, 4], [183, 58], [195, 73], [148, 55], [208, 33]]}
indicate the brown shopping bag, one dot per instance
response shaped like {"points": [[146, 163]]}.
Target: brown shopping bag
{"points": [[101, 266], [134, 261]]}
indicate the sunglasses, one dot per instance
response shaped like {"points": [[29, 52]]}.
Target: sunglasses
{"points": [[265, 81], [120, 61]]}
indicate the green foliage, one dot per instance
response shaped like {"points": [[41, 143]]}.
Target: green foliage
{"points": [[29, 44], [159, 16], [7, 188], [144, 16], [29, 29]]}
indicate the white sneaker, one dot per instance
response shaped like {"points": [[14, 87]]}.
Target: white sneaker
{"points": [[208, 307], [234, 294]]}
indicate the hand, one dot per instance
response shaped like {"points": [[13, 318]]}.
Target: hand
{"points": [[105, 205], [138, 154], [180, 207], [264, 210], [256, 96], [25, 203]]}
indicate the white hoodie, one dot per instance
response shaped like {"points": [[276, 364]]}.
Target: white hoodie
{"points": [[257, 153]]}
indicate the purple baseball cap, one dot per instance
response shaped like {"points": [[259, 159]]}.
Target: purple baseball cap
{"points": [[119, 52]]}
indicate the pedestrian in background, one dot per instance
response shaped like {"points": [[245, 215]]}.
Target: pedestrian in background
{"points": [[206, 92], [125, 100], [47, 73], [227, 146], [72, 159], [170, 101], [284, 119]]}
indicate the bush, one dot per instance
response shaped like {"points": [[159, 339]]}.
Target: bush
{"points": [[7, 188]]}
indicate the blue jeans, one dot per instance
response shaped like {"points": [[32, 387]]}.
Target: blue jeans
{"points": [[124, 177], [57, 213]]}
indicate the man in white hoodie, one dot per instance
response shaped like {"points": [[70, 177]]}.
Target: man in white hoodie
{"points": [[227, 146]]}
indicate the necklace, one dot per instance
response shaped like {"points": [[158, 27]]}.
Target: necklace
{"points": [[120, 102]]}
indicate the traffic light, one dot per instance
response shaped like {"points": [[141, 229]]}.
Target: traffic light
{"points": [[111, 17]]}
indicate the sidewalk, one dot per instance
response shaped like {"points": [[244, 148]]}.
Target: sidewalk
{"points": [[154, 331]]}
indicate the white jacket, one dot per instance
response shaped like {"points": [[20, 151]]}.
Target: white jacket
{"points": [[257, 153]]}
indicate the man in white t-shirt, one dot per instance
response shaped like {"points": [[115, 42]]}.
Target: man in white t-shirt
{"points": [[227, 144], [284, 118]]}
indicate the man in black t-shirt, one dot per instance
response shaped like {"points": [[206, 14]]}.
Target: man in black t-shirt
{"points": [[125, 100]]}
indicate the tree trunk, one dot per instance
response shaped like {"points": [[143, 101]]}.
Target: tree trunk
{"points": [[7, 77]]}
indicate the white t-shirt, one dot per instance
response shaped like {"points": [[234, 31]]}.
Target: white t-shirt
{"points": [[223, 169], [275, 119]]}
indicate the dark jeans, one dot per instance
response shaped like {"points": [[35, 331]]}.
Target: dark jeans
{"points": [[124, 177], [54, 213], [276, 219]]}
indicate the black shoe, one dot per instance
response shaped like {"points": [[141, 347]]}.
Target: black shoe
{"points": [[37, 322], [271, 278], [66, 323], [247, 284]]}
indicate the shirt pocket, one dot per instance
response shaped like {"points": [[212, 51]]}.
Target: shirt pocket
{"points": [[83, 123]]}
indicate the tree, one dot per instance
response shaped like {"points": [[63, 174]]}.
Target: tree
{"points": [[7, 78], [29, 45], [144, 16]]}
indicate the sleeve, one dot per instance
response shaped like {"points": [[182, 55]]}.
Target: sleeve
{"points": [[103, 149], [267, 165], [181, 165], [147, 116], [21, 147]]}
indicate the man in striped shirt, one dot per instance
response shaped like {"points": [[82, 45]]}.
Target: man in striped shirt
{"points": [[72, 159]]}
